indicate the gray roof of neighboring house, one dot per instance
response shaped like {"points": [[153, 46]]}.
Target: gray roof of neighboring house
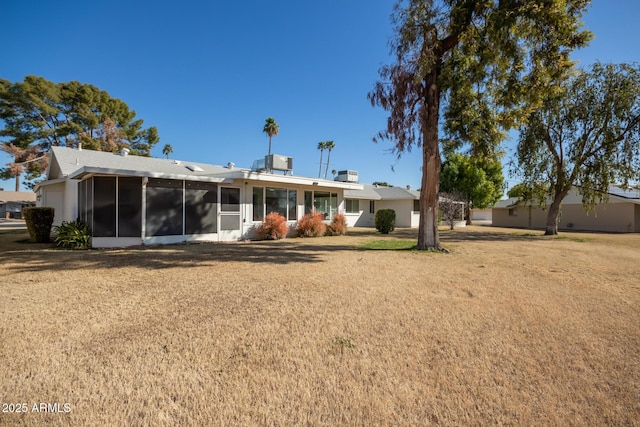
{"points": [[374, 192], [17, 196], [507, 203]]}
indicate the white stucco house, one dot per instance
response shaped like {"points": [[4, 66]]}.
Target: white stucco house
{"points": [[362, 205], [131, 200], [12, 203], [621, 214]]}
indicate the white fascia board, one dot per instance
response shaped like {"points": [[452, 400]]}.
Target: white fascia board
{"points": [[297, 180], [48, 182], [91, 170]]}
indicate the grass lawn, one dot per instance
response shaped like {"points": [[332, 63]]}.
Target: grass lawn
{"points": [[508, 328]]}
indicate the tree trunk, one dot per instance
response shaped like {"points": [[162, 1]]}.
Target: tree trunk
{"points": [[326, 169], [552, 215], [320, 170], [467, 212], [428, 236]]}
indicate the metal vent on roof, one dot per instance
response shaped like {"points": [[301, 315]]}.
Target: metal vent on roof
{"points": [[194, 168]]}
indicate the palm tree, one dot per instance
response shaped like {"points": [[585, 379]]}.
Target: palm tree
{"points": [[168, 149], [271, 128], [321, 146], [329, 145]]}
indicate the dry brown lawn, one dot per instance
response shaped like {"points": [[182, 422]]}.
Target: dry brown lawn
{"points": [[509, 328]]}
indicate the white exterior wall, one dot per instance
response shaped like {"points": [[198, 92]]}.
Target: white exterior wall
{"points": [[246, 197], [54, 196], [403, 209]]}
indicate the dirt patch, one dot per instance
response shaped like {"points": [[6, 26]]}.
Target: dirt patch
{"points": [[509, 328]]}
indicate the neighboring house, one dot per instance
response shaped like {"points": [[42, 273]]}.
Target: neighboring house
{"points": [[12, 202], [361, 206], [621, 214], [133, 200], [481, 215]]}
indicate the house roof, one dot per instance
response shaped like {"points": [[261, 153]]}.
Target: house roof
{"points": [[17, 196], [69, 162], [507, 203], [76, 164], [374, 192], [631, 195]]}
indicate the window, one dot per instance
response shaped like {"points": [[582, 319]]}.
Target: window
{"points": [[230, 199], [258, 203], [352, 206], [279, 200], [229, 209], [416, 205], [372, 206], [276, 201], [323, 202], [513, 211], [293, 205]]}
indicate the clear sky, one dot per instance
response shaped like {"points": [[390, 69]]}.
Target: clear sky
{"points": [[208, 73]]}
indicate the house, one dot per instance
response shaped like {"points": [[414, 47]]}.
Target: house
{"points": [[12, 202], [133, 200], [362, 204], [621, 214]]}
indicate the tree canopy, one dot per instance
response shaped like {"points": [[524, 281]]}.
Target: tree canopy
{"points": [[37, 114], [491, 62], [586, 136], [479, 181]]}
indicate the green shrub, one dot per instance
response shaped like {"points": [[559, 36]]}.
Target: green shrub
{"points": [[39, 221], [338, 226], [311, 225], [385, 220], [75, 235], [273, 227]]}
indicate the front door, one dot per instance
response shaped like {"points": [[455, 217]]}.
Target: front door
{"points": [[229, 225]]}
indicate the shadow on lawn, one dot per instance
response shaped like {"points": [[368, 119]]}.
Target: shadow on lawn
{"points": [[42, 257], [48, 257]]}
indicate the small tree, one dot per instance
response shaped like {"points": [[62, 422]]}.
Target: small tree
{"points": [[476, 181], [274, 227], [452, 206]]}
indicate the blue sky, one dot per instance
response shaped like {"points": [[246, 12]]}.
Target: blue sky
{"points": [[208, 74]]}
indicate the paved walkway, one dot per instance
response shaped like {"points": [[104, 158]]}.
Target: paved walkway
{"points": [[12, 224]]}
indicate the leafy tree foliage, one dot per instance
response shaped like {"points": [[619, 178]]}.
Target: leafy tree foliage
{"points": [[491, 61], [38, 114], [587, 136], [478, 180]]}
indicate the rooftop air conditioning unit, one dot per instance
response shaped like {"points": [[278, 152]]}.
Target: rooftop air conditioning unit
{"points": [[279, 163], [347, 176]]}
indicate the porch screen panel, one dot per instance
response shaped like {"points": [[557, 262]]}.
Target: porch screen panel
{"points": [[201, 207], [104, 206], [164, 207], [308, 202], [129, 207], [293, 205]]}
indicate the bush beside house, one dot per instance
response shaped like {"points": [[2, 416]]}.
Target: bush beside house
{"points": [[39, 221]]}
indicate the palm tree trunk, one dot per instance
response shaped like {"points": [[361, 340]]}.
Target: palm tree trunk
{"points": [[320, 170], [327, 167]]}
